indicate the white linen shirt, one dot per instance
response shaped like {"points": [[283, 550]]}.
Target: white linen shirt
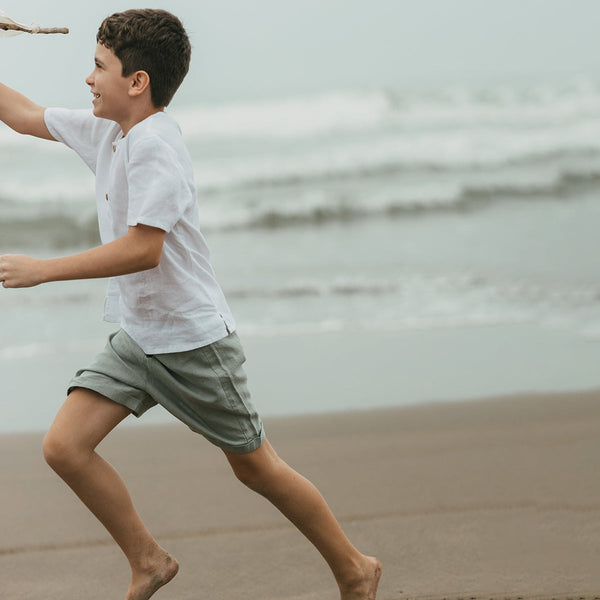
{"points": [[146, 178]]}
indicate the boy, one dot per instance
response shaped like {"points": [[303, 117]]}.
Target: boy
{"points": [[176, 345]]}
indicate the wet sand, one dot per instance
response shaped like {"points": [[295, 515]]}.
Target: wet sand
{"points": [[496, 498]]}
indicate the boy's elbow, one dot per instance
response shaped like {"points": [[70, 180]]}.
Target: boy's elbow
{"points": [[155, 261], [150, 259], [155, 254], [146, 245], [143, 258]]}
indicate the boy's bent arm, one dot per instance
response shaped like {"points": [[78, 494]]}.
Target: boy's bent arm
{"points": [[21, 114], [140, 249]]}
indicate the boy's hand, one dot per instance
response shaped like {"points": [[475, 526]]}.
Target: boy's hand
{"points": [[17, 270]]}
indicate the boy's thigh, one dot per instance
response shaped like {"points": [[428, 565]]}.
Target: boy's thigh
{"points": [[86, 417], [119, 372], [206, 388]]}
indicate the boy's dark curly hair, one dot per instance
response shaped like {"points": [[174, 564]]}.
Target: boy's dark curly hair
{"points": [[149, 40]]}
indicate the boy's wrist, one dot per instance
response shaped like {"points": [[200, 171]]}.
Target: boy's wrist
{"points": [[43, 271]]}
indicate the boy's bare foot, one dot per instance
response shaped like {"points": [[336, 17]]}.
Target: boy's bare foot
{"points": [[363, 586], [145, 584]]}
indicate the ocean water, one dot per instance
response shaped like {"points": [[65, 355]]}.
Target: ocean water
{"points": [[366, 211]]}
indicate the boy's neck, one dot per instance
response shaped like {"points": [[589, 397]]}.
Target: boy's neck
{"points": [[137, 117]]}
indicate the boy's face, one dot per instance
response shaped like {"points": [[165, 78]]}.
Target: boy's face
{"points": [[109, 87]]}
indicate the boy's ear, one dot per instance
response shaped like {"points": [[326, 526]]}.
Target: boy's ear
{"points": [[140, 82]]}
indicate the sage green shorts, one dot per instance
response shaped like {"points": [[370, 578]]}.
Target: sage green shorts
{"points": [[205, 388]]}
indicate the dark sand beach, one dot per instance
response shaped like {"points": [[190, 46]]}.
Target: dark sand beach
{"points": [[497, 498]]}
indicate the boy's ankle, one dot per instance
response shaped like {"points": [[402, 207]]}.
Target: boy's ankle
{"points": [[147, 560], [360, 578]]}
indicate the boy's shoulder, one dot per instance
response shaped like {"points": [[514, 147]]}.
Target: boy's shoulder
{"points": [[158, 125], [157, 143], [158, 134]]}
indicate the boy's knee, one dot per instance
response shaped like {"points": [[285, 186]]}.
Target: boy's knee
{"points": [[247, 475], [60, 455], [254, 472]]}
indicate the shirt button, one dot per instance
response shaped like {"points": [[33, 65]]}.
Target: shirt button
{"points": [[106, 197]]}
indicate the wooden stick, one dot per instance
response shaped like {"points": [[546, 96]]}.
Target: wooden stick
{"points": [[11, 27]]}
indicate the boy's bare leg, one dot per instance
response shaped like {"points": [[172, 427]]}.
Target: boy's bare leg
{"points": [[69, 448], [300, 501]]}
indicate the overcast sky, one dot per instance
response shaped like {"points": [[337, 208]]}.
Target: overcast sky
{"points": [[245, 49]]}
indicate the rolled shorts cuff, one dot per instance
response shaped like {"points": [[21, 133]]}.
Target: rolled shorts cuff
{"points": [[250, 446], [98, 384]]}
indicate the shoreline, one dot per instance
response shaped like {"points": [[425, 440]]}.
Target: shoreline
{"points": [[491, 498], [337, 371]]}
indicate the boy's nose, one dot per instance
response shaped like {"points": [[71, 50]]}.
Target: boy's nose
{"points": [[89, 79]]}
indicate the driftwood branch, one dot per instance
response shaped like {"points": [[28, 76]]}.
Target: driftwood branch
{"points": [[24, 28]]}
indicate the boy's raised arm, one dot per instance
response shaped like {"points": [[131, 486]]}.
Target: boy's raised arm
{"points": [[21, 114]]}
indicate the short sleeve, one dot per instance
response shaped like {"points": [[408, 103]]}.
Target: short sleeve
{"points": [[80, 130], [157, 185]]}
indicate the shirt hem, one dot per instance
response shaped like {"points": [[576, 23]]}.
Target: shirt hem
{"points": [[211, 337]]}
